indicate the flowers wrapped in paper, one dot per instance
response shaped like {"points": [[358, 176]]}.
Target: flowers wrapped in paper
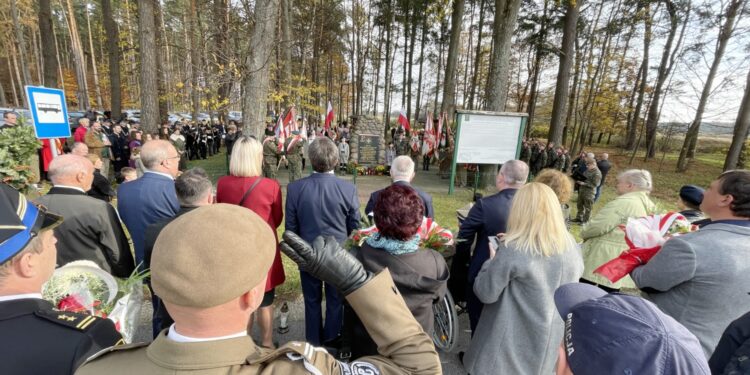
{"points": [[645, 237], [431, 236], [83, 287]]}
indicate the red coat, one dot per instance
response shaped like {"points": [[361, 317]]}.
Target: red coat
{"points": [[264, 200], [47, 151], [80, 134]]}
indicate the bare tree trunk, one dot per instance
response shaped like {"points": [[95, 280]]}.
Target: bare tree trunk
{"points": [[652, 121], [573, 95], [262, 39], [630, 141], [113, 52], [195, 58], [412, 36], [161, 68], [449, 88], [563, 74], [47, 37], [149, 76], [98, 90], [285, 44], [477, 57], [687, 152], [741, 127], [57, 59], [421, 63], [20, 43], [80, 63], [538, 55], [506, 14]]}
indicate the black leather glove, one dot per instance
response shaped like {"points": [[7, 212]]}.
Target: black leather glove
{"points": [[327, 261]]}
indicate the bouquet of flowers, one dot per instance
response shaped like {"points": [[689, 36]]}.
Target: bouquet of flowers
{"points": [[83, 287], [431, 236], [645, 237]]}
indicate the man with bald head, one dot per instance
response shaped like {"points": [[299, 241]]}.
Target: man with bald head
{"points": [[91, 230], [151, 198], [80, 149]]}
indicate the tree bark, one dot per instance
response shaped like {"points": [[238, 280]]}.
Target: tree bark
{"points": [[538, 55], [113, 51], [195, 58], [506, 14], [563, 73], [257, 65], [449, 87], [20, 42], [149, 89], [687, 152], [82, 93], [94, 69], [635, 117], [741, 127], [652, 121], [161, 67], [47, 37], [477, 57], [421, 64]]}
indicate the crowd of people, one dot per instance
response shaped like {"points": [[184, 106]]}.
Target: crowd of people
{"points": [[535, 305]]}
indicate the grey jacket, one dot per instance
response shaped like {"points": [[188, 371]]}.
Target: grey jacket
{"points": [[520, 330], [701, 279]]}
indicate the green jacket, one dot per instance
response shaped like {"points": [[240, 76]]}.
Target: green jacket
{"points": [[593, 179], [603, 240]]}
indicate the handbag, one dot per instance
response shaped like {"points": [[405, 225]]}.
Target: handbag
{"points": [[250, 189]]}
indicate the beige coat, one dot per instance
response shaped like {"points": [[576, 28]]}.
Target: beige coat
{"points": [[404, 347], [603, 239]]}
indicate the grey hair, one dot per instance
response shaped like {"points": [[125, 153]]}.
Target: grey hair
{"points": [[192, 186], [67, 166], [324, 155], [402, 167], [154, 152], [515, 172], [79, 146], [590, 155], [640, 178]]}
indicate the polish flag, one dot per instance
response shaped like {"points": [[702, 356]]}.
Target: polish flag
{"points": [[403, 121], [439, 130], [280, 133], [290, 121], [329, 116]]}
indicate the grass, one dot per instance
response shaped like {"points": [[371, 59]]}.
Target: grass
{"points": [[667, 184]]}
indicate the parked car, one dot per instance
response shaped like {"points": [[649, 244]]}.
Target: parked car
{"points": [[203, 117], [132, 115], [235, 116]]}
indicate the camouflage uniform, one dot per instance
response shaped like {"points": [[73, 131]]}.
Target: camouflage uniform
{"points": [[586, 193], [270, 157], [294, 157]]}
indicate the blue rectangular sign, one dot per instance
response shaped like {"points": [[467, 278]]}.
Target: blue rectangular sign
{"points": [[49, 112]]}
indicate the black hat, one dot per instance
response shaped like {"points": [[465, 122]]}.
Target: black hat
{"points": [[691, 195], [270, 132], [20, 221]]}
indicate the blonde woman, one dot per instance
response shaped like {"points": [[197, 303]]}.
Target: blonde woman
{"points": [[519, 330], [561, 185], [246, 187]]}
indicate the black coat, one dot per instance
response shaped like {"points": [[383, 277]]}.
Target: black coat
{"points": [[39, 340], [733, 349]]}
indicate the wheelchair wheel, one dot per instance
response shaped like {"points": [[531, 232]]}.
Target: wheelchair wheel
{"points": [[445, 334]]}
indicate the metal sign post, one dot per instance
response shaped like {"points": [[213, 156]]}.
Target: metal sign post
{"points": [[49, 112]]}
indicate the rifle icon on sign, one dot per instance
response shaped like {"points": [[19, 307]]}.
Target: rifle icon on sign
{"points": [[48, 107]]}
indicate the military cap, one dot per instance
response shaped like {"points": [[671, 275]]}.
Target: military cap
{"points": [[211, 255], [20, 221]]}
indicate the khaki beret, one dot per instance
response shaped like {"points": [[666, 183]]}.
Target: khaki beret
{"points": [[211, 255]]}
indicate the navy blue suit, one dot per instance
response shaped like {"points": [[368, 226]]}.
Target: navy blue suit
{"points": [[426, 198], [488, 217], [147, 200], [321, 205]]}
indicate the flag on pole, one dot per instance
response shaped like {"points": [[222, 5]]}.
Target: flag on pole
{"points": [[427, 137], [403, 121], [329, 116], [280, 133]]}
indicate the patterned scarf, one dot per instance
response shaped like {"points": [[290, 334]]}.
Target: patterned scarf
{"points": [[392, 246]]}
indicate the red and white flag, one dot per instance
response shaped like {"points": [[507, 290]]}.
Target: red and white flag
{"points": [[403, 121], [281, 133], [428, 139], [329, 116]]}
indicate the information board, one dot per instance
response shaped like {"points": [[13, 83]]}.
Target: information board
{"points": [[49, 112], [368, 149], [487, 137]]}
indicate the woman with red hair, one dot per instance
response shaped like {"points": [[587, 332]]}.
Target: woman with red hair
{"points": [[420, 275]]}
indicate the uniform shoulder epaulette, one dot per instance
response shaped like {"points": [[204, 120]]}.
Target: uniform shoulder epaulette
{"points": [[116, 348], [80, 322]]}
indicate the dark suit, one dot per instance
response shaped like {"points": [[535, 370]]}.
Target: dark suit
{"points": [[321, 204], [101, 188], [91, 231], [40, 340], [161, 319], [488, 217], [145, 201], [426, 198]]}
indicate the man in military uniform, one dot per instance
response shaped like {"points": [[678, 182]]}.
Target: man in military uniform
{"points": [[211, 308], [35, 338], [271, 154], [538, 158], [552, 155], [587, 191], [525, 152], [293, 148], [560, 161], [401, 143]]}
